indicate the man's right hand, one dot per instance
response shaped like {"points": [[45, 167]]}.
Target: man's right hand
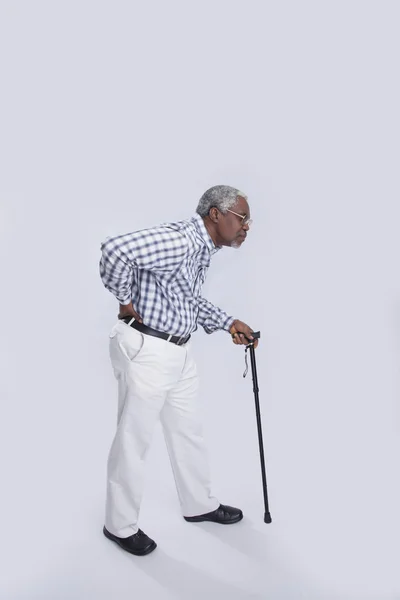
{"points": [[241, 333], [127, 310]]}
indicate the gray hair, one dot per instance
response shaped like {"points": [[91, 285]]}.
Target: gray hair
{"points": [[222, 197]]}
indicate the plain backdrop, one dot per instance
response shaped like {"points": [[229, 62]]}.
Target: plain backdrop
{"points": [[117, 116]]}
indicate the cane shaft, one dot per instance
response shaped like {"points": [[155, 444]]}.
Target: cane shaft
{"points": [[267, 516]]}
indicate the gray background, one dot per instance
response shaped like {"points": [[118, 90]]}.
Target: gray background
{"points": [[118, 115]]}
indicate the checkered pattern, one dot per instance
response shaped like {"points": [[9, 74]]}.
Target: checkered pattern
{"points": [[161, 270]]}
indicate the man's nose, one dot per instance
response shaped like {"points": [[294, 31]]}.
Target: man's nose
{"points": [[246, 226]]}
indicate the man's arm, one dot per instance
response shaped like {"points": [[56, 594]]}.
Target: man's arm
{"points": [[160, 249], [212, 318]]}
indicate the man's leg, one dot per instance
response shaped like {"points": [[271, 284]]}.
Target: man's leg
{"points": [[182, 427], [145, 369]]}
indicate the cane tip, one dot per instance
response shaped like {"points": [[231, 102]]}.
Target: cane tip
{"points": [[267, 518]]}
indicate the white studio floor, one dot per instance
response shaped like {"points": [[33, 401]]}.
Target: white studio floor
{"points": [[306, 553]]}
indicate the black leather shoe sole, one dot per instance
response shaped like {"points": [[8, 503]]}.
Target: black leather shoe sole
{"points": [[120, 542], [213, 520]]}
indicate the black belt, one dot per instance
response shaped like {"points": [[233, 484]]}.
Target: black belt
{"points": [[175, 339]]}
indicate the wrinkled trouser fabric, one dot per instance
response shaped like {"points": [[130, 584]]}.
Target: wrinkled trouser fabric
{"points": [[156, 380]]}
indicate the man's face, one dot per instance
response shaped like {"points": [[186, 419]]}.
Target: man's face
{"points": [[232, 228]]}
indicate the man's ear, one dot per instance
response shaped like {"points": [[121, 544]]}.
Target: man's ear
{"points": [[214, 214]]}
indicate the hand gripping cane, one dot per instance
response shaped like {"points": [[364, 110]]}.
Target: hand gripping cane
{"points": [[250, 346]]}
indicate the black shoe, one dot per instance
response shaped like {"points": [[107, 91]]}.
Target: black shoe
{"points": [[226, 515], [138, 543]]}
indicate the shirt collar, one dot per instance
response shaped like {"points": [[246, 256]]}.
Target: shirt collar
{"points": [[202, 230]]}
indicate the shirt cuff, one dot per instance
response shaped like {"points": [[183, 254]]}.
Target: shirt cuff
{"points": [[227, 322], [125, 302]]}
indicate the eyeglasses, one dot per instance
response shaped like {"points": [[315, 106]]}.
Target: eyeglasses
{"points": [[245, 219]]}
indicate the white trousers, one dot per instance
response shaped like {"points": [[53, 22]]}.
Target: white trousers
{"points": [[156, 379]]}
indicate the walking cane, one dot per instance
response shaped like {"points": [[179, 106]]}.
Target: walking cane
{"points": [[250, 346]]}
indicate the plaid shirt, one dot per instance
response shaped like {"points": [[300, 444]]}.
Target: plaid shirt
{"points": [[161, 271]]}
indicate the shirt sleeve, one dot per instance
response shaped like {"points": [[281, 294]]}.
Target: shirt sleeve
{"points": [[212, 318], [160, 249]]}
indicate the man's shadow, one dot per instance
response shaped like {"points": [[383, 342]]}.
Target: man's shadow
{"points": [[184, 581], [273, 578]]}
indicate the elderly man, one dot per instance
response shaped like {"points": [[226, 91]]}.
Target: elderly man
{"points": [[156, 275]]}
